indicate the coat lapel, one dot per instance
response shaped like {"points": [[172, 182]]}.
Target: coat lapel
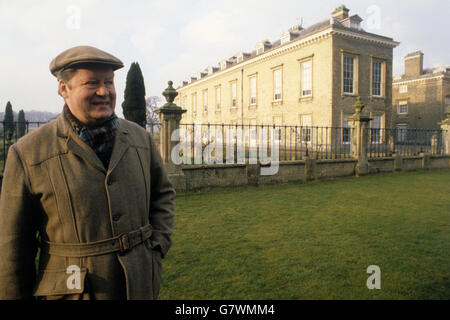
{"points": [[121, 145], [80, 148]]}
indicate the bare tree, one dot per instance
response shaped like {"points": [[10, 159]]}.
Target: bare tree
{"points": [[153, 103]]}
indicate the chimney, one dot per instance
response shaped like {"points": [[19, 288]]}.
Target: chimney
{"points": [[340, 13], [414, 64]]}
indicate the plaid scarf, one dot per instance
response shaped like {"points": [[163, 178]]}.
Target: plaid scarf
{"points": [[99, 138]]}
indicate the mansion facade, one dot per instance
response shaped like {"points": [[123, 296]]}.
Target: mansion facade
{"points": [[309, 77]]}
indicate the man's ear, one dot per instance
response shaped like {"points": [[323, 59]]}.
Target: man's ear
{"points": [[63, 88]]}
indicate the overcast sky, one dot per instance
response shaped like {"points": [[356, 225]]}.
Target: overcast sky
{"points": [[173, 39]]}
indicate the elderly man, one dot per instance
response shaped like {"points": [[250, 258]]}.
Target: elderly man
{"points": [[90, 190]]}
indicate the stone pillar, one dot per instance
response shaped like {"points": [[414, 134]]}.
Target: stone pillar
{"points": [[359, 143], [445, 126], [170, 117]]}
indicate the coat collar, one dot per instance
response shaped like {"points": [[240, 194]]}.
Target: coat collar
{"points": [[80, 148]]}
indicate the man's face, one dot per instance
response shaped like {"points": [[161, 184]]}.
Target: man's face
{"points": [[90, 94]]}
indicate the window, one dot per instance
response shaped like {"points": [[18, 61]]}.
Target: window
{"points": [[349, 67], [306, 78], [402, 107], [375, 132], [194, 103], [205, 101], [401, 132], [403, 88], [285, 37], [278, 122], [306, 128], [185, 102], [218, 98], [377, 69], [253, 90], [223, 64], [354, 24], [345, 129], [233, 95], [277, 89]]}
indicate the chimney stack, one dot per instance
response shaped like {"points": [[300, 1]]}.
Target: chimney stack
{"points": [[340, 13], [414, 64]]}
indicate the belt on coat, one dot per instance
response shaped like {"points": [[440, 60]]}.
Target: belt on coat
{"points": [[122, 243]]}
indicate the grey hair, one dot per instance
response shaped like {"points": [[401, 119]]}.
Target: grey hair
{"points": [[65, 76]]}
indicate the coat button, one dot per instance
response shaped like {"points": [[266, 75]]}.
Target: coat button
{"points": [[116, 217]]}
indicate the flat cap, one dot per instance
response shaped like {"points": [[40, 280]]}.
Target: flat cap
{"points": [[83, 55]]}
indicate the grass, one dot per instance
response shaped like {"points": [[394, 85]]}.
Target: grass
{"points": [[314, 240]]}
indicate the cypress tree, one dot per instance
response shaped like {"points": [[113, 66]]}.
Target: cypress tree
{"points": [[8, 120], [21, 124], [134, 107]]}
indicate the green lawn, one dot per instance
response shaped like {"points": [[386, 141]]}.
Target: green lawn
{"points": [[314, 240]]}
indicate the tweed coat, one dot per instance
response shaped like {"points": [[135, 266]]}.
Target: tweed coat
{"points": [[55, 184]]}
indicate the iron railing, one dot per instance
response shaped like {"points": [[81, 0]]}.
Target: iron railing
{"points": [[237, 143], [404, 141], [153, 127], [221, 142], [10, 132]]}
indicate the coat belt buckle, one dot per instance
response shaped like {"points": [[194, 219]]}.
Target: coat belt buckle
{"points": [[124, 242]]}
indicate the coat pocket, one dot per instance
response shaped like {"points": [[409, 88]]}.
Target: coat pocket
{"points": [[157, 272], [60, 282]]}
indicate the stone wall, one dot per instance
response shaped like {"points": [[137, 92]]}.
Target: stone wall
{"points": [[197, 177]]}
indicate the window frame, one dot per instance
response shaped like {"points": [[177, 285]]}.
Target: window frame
{"points": [[253, 98], [355, 79], [233, 94], [400, 86], [382, 75], [377, 130], [218, 89], [194, 103], [401, 104], [346, 126], [275, 87], [205, 101], [302, 78], [402, 128], [306, 131]]}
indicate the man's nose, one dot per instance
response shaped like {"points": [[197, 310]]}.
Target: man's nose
{"points": [[102, 90]]}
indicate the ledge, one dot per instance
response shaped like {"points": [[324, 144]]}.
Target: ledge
{"points": [[277, 103], [381, 159], [212, 166], [305, 99], [318, 161], [348, 95]]}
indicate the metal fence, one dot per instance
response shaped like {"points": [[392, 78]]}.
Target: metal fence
{"points": [[404, 141], [10, 132], [237, 143], [153, 127], [219, 143]]}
